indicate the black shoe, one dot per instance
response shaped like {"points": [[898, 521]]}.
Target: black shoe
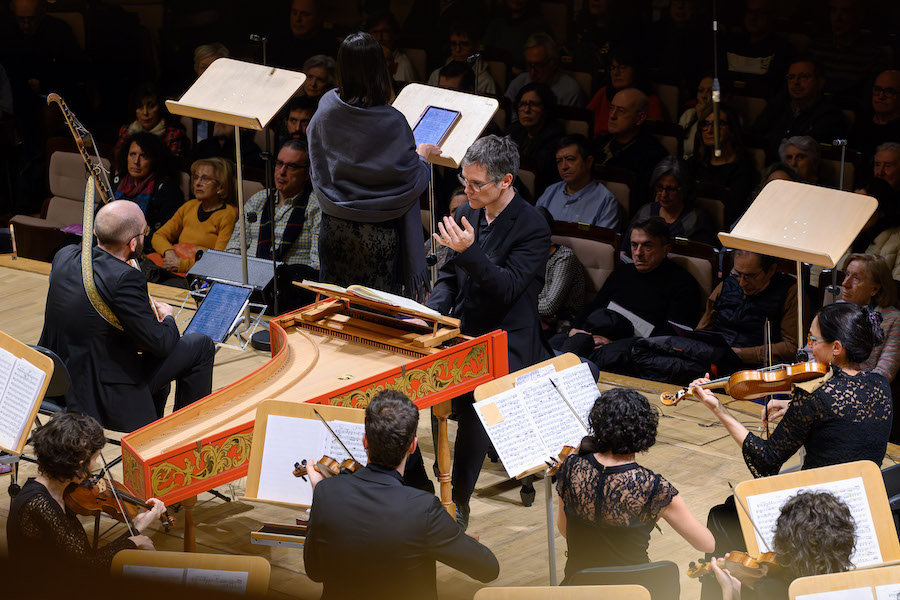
{"points": [[528, 494], [462, 516]]}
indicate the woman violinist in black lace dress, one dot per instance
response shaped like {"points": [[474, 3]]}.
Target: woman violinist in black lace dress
{"points": [[609, 504], [41, 531]]}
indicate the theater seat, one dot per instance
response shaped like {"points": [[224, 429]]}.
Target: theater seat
{"points": [[596, 248], [660, 578]]}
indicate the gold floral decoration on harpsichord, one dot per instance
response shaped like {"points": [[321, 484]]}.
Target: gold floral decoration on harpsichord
{"points": [[210, 459], [421, 382]]}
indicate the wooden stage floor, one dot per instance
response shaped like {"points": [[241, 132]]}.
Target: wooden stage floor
{"points": [[699, 459]]}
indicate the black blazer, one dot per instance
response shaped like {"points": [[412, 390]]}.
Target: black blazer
{"points": [[388, 535], [108, 370], [495, 284]]}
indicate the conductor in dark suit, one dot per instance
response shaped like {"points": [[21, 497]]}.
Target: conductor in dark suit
{"points": [[120, 376], [389, 534], [500, 245]]}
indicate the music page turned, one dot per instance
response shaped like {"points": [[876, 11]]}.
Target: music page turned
{"points": [[20, 388]]}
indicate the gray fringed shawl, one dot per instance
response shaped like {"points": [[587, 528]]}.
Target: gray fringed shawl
{"points": [[364, 167]]}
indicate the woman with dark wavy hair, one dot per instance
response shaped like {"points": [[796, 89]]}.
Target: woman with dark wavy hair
{"points": [[608, 503], [41, 531], [815, 534]]}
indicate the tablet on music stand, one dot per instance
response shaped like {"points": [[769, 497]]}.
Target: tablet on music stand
{"points": [[220, 311], [434, 125]]}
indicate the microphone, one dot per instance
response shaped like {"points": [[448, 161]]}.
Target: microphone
{"points": [[839, 143], [473, 58], [251, 217], [257, 38]]}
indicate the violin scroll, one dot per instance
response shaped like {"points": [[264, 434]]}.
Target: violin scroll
{"points": [[557, 463]]}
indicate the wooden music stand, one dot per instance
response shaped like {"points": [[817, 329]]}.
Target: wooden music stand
{"points": [[42, 362], [873, 483], [241, 94], [801, 222], [165, 565], [572, 592], [867, 578], [508, 382]]}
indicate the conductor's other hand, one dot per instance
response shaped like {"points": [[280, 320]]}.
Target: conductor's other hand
{"points": [[454, 237], [142, 542], [164, 310], [426, 151]]}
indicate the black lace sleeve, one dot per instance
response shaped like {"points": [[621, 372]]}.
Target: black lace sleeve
{"points": [[662, 496], [765, 457], [42, 524]]}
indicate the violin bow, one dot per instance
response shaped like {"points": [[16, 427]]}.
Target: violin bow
{"points": [[331, 431], [747, 512], [115, 492], [569, 404], [768, 364]]}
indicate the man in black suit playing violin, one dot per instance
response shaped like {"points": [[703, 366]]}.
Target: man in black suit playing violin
{"points": [[389, 534], [120, 364]]}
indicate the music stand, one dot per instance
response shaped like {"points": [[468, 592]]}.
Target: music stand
{"points": [[241, 94], [475, 114], [801, 222]]}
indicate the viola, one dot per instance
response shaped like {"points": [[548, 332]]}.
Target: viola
{"points": [[756, 383], [566, 451], [93, 496], [745, 568], [328, 467]]}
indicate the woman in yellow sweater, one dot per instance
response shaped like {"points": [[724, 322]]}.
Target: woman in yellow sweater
{"points": [[204, 222]]}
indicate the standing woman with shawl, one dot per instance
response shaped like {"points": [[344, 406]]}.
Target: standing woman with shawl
{"points": [[368, 176]]}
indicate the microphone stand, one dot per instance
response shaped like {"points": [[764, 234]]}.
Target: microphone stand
{"points": [[843, 144], [261, 340], [716, 89]]}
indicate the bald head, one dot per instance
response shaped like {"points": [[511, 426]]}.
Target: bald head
{"points": [[118, 223], [627, 112]]}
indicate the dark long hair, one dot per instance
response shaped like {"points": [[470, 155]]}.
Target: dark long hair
{"points": [[152, 145], [858, 328], [361, 73]]}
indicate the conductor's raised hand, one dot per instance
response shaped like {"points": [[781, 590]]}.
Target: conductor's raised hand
{"points": [[427, 151], [454, 237]]}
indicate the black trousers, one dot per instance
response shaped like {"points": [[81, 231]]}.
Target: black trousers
{"points": [[725, 526], [472, 443], [190, 366]]}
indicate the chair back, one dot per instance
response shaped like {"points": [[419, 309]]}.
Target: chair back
{"points": [[584, 592], [596, 248], [618, 181], [670, 135], [66, 175], [830, 167], [660, 578], [668, 97], [527, 179], [700, 260]]}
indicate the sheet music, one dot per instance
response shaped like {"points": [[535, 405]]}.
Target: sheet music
{"points": [[851, 594], [556, 423], [765, 508], [642, 327], [351, 434], [512, 431], [578, 384], [289, 440], [234, 582], [890, 591], [172, 575], [21, 393], [536, 374], [7, 362]]}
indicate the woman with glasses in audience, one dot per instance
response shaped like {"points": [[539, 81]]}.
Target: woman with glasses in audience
{"points": [[670, 187], [537, 133], [624, 71], [205, 222], [368, 175]]}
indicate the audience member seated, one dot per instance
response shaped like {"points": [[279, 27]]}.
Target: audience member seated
{"points": [[384, 28], [220, 144], [609, 504], [628, 146], [578, 198], [739, 307], [300, 110], [596, 27], [297, 221], [204, 56], [758, 53], [457, 76], [542, 62], [290, 46], [319, 71], [734, 168], [508, 31], [887, 164], [883, 124], [803, 154], [151, 116], [464, 43], [689, 119], [145, 176], [815, 534], [205, 222], [562, 296], [680, 44], [624, 72], [537, 133], [652, 287], [878, 235], [671, 187], [802, 111]]}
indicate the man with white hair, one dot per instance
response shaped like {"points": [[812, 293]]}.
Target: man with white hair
{"points": [[122, 361], [542, 62], [801, 153]]}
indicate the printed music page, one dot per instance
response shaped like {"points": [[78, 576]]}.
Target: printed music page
{"points": [[765, 508], [171, 575], [289, 440], [556, 423], [513, 432], [234, 582], [536, 374], [351, 434], [890, 591], [851, 594], [22, 387], [579, 387]]}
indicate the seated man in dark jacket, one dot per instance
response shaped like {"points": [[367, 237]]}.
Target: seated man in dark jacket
{"points": [[654, 289], [391, 533]]}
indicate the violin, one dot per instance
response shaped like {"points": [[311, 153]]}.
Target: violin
{"points": [[756, 383], [745, 568], [563, 455], [328, 467], [93, 496]]}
